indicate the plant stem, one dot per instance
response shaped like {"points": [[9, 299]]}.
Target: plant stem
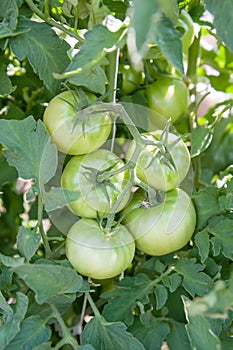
{"points": [[67, 337], [126, 189], [53, 23], [93, 306], [46, 9], [40, 226]]}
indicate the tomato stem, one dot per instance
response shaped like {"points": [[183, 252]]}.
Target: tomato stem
{"points": [[127, 188], [40, 226], [67, 337], [93, 306], [54, 23]]}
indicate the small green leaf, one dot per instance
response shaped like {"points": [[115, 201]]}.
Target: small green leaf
{"points": [[199, 330], [178, 337], [48, 281], [105, 336], [98, 42], [11, 326], [46, 346], [202, 241], [222, 230], [201, 138], [93, 79], [29, 149], [27, 242], [194, 281], [46, 52], [124, 298], [58, 197], [33, 332], [6, 87], [8, 173], [205, 212], [11, 262], [153, 22], [151, 337], [168, 40], [161, 295], [9, 15], [172, 281]]}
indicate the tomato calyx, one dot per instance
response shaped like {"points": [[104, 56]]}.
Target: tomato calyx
{"points": [[93, 176]]}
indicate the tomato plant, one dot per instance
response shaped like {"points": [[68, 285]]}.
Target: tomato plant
{"points": [[71, 130], [163, 164], [107, 239], [89, 247], [164, 228], [81, 174], [169, 96]]}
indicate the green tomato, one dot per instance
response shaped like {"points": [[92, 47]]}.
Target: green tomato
{"points": [[130, 79], [80, 174], [162, 167], [164, 228], [168, 96], [185, 23], [96, 253], [70, 134]]}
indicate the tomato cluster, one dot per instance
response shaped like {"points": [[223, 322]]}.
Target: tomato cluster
{"points": [[112, 220]]}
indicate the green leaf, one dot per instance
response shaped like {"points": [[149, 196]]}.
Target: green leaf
{"points": [[48, 281], [104, 336], [178, 338], [219, 155], [202, 241], [153, 335], [6, 87], [124, 298], [172, 281], [153, 22], [8, 173], [46, 52], [46, 346], [33, 332], [5, 307], [199, 330], [222, 230], [27, 242], [93, 79], [11, 326], [9, 14], [58, 197], [168, 40], [215, 304], [11, 262], [29, 149], [205, 212], [98, 42], [84, 347], [222, 19], [201, 138], [194, 281], [161, 295]]}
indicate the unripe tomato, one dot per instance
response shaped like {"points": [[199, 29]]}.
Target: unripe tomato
{"points": [[80, 174], [72, 135], [168, 96], [164, 228], [185, 22], [162, 167], [130, 79], [96, 253]]}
